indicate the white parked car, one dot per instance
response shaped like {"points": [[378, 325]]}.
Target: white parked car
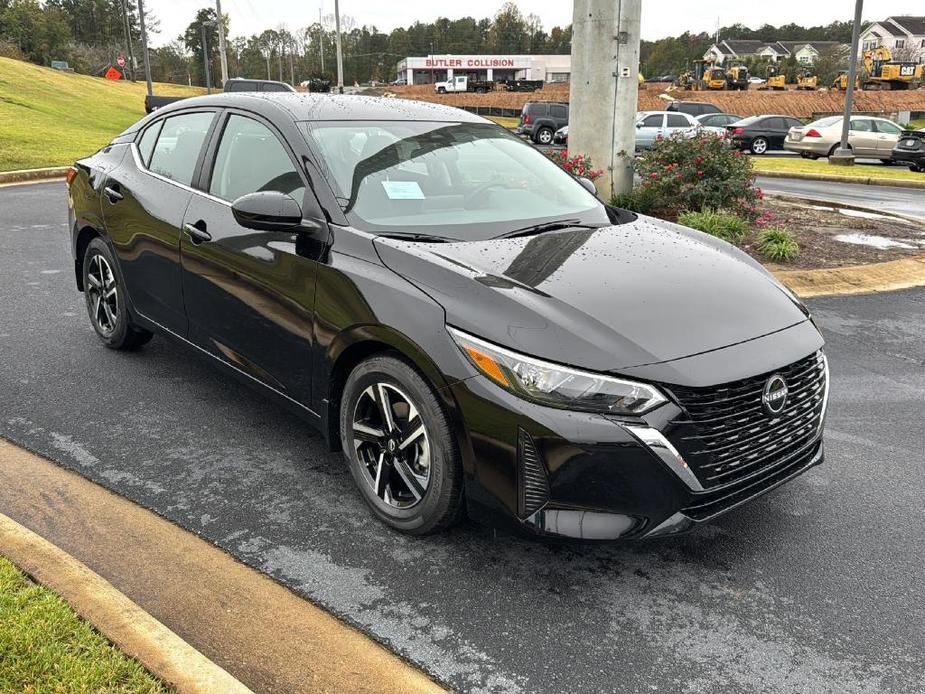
{"points": [[650, 125]]}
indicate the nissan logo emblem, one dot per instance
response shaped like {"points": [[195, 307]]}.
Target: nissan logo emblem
{"points": [[774, 395]]}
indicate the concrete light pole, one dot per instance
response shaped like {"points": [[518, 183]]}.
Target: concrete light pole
{"points": [[604, 88], [144, 46], [340, 54], [843, 156], [221, 41]]}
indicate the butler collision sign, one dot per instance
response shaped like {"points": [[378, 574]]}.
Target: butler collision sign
{"points": [[424, 69], [472, 63]]}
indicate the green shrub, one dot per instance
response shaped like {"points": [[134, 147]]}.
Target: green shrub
{"points": [[701, 173], [641, 200], [728, 227], [778, 244]]}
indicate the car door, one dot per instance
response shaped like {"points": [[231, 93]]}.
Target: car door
{"points": [[143, 205], [649, 129], [676, 123], [775, 131], [559, 115], [862, 137], [249, 295], [887, 137]]}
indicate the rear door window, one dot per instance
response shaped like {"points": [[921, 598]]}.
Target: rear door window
{"points": [[558, 111], [179, 144], [147, 140], [653, 121], [861, 125], [677, 120]]}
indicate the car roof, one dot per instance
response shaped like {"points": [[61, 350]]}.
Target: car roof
{"points": [[302, 106]]}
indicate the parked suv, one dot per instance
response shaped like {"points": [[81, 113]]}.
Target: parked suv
{"points": [[693, 108], [910, 150], [540, 120]]}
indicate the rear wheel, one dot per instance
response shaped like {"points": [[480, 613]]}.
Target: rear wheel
{"points": [[759, 145], [544, 136], [106, 300], [400, 448], [809, 155], [834, 147]]}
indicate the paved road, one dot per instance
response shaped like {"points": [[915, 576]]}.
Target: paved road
{"points": [[816, 587], [906, 201]]}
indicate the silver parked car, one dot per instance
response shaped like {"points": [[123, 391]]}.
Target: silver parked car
{"points": [[867, 137], [716, 122], [651, 125]]}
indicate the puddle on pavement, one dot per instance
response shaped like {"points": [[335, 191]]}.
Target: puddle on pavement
{"points": [[879, 242]]}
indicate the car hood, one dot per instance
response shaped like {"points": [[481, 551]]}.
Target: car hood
{"points": [[605, 299]]}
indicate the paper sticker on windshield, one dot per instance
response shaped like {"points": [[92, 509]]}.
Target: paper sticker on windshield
{"points": [[403, 190]]}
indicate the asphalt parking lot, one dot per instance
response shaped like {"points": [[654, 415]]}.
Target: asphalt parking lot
{"points": [[814, 588]]}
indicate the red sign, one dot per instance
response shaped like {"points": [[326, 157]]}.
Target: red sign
{"points": [[120, 61], [473, 63], [113, 74]]}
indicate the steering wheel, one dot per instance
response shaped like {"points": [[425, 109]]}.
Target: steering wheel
{"points": [[488, 185]]}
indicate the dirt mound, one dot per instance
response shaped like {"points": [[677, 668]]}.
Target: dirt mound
{"points": [[747, 103]]}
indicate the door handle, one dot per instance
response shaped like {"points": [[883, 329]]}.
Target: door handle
{"points": [[197, 234], [112, 192]]}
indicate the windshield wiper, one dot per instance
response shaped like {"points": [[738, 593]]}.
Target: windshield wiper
{"points": [[423, 238], [547, 226]]}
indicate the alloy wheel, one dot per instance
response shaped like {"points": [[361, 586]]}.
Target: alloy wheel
{"points": [[102, 295], [759, 146], [392, 445], [545, 136]]}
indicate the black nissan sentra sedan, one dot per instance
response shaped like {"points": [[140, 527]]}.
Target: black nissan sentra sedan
{"points": [[468, 323]]}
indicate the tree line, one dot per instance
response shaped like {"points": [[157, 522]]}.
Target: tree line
{"points": [[90, 34]]}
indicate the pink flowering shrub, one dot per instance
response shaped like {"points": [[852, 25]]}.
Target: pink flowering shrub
{"points": [[691, 175], [575, 164]]}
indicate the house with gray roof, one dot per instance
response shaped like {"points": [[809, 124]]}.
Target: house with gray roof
{"points": [[732, 50], [903, 35]]}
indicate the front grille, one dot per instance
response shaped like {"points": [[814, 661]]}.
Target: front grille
{"points": [[727, 436]]}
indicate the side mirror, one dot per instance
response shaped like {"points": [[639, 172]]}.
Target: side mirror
{"points": [[639, 125], [267, 210], [588, 185]]}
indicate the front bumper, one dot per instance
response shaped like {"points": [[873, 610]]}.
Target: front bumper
{"points": [[605, 477]]}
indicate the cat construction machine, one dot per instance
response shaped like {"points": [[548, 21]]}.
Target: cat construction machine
{"points": [[737, 77], [774, 79], [808, 79], [885, 73], [841, 81]]}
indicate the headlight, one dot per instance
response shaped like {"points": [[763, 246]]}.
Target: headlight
{"points": [[554, 385]]}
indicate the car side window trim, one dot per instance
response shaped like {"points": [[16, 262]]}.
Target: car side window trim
{"points": [[143, 166]]}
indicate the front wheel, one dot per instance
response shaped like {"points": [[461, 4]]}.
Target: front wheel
{"points": [[759, 145], [106, 300], [400, 448]]}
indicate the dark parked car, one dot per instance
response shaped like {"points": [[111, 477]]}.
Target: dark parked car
{"points": [[468, 323], [760, 134], [717, 122], [911, 149], [539, 120], [693, 108]]}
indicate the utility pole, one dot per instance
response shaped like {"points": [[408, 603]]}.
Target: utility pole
{"points": [[340, 55], [291, 65], [221, 41], [321, 39], [843, 156], [604, 88], [128, 42], [205, 55], [144, 46]]}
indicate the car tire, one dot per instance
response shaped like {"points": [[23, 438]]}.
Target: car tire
{"points": [[106, 300], [441, 90], [809, 155], [758, 146], [543, 136], [835, 147], [411, 475]]}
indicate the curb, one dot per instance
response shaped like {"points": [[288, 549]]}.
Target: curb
{"points": [[857, 279], [32, 174], [831, 178], [807, 200], [133, 630]]}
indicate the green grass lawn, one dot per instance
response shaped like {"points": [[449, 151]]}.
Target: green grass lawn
{"points": [[51, 118], [505, 122], [917, 124], [46, 647], [859, 171]]}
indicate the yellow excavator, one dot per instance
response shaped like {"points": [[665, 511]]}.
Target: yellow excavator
{"points": [[841, 81], [774, 79], [885, 73], [714, 78], [809, 80], [737, 77]]}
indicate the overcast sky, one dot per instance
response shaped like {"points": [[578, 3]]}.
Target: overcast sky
{"points": [[659, 17]]}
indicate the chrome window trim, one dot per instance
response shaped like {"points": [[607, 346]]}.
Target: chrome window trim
{"points": [[136, 154]]}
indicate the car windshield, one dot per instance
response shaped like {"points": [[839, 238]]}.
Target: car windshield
{"points": [[463, 180]]}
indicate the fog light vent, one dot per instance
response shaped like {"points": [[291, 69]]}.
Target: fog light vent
{"points": [[532, 482]]}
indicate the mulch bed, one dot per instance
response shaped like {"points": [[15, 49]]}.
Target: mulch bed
{"points": [[815, 230]]}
